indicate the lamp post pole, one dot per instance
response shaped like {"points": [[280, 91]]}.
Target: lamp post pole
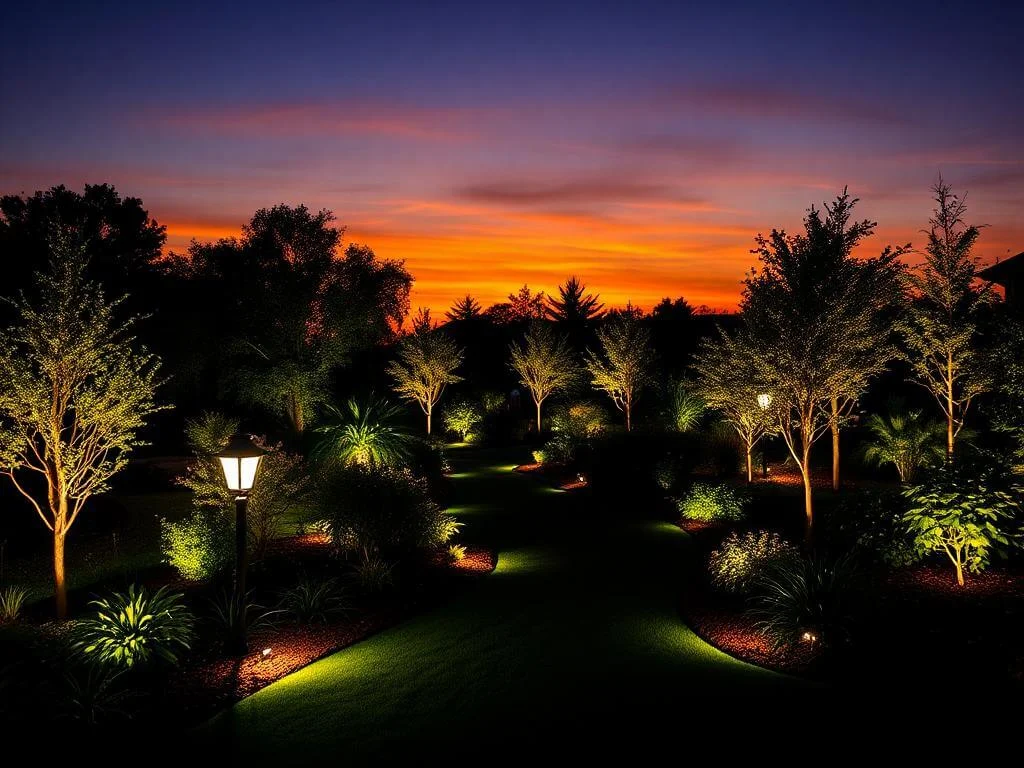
{"points": [[239, 644], [764, 402]]}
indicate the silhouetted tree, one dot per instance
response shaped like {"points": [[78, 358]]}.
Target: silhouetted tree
{"points": [[426, 364], [941, 325], [672, 332], [575, 311], [422, 322], [73, 396], [544, 363], [622, 365], [463, 310]]}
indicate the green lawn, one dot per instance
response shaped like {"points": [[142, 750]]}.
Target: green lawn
{"points": [[576, 632]]}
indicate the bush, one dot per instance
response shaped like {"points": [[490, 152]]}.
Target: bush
{"points": [[383, 512], [668, 472], [456, 553], [561, 449], [12, 600], [200, 546], [134, 627], [871, 522], [540, 457], [685, 407], [228, 609], [807, 600], [743, 558], [493, 401], [963, 514], [374, 575], [580, 420], [369, 432], [312, 601], [462, 418], [712, 503], [92, 695]]}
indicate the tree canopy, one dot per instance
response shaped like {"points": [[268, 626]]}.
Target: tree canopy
{"points": [[544, 363], [621, 366]]}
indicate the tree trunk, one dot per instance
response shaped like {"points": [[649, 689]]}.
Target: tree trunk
{"points": [[295, 411], [959, 572], [538, 419], [60, 587], [950, 432], [808, 497], [629, 421], [430, 410], [750, 464], [835, 443]]}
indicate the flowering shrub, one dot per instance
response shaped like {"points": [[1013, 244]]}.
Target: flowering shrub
{"points": [[743, 558], [712, 503]]}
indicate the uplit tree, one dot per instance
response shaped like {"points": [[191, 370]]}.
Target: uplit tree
{"points": [[544, 363], [425, 366], [465, 309], [728, 381], [622, 365], [800, 312], [941, 324], [74, 394]]}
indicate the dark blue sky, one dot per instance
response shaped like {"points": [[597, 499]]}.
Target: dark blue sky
{"points": [[642, 144]]}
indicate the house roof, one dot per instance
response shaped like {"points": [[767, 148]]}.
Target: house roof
{"points": [[1003, 270]]}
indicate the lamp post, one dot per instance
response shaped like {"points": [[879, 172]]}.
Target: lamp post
{"points": [[240, 461], [764, 402]]}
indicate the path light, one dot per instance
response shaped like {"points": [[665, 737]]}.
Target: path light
{"points": [[764, 401], [240, 461]]}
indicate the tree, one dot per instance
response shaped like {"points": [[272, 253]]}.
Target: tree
{"points": [[963, 515], [728, 381], [426, 365], [522, 306], [806, 328], [544, 362], [904, 439], [672, 333], [622, 366], [367, 433], [941, 325], [291, 309], [74, 395], [422, 322], [465, 309], [462, 417], [575, 310]]}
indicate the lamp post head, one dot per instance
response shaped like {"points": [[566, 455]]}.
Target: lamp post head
{"points": [[240, 460], [764, 401]]}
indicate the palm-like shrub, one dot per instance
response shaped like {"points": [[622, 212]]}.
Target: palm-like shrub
{"points": [[811, 600], [744, 558], [905, 439], [367, 434], [462, 418], [312, 601], [712, 503], [229, 609], [685, 407], [133, 627], [12, 600]]}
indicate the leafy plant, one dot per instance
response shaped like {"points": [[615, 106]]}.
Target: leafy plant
{"points": [[12, 600], [227, 609], [200, 546], [685, 407], [622, 366], [462, 417], [544, 362], [808, 600], [368, 433], [426, 364], [962, 514], [872, 523], [905, 439], [561, 449], [93, 695], [456, 553], [134, 627], [540, 456], [580, 420], [374, 575], [311, 601], [712, 503], [743, 558]]}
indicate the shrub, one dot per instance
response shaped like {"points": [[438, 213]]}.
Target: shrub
{"points": [[905, 439], [374, 575], [712, 503], [667, 473], [200, 546], [134, 627], [493, 401], [456, 553], [685, 407], [12, 600], [540, 457], [561, 449], [369, 433], [462, 418], [962, 514], [807, 600], [872, 523], [93, 695], [385, 511], [228, 609], [743, 558], [312, 601], [580, 420]]}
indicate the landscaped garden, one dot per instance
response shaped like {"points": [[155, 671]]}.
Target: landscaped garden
{"points": [[297, 516]]}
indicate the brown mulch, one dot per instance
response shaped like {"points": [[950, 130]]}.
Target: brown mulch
{"points": [[931, 581], [476, 561], [736, 635], [699, 526]]}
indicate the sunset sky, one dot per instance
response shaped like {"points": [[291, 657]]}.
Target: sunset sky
{"points": [[641, 146]]}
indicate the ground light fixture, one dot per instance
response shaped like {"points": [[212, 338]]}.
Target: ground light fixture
{"points": [[240, 461]]}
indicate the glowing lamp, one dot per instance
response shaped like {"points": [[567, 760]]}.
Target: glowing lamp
{"points": [[240, 460], [764, 401]]}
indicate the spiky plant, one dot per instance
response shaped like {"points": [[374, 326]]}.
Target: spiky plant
{"points": [[134, 627], [905, 439], [685, 407], [311, 601], [368, 434], [12, 600]]}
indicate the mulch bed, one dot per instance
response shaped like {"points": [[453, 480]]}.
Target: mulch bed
{"points": [[733, 633], [931, 581]]}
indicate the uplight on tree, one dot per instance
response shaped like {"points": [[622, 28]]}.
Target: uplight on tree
{"points": [[544, 363], [426, 365], [621, 367]]}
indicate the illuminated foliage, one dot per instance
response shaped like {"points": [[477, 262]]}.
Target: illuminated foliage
{"points": [[941, 325], [465, 309], [544, 363], [580, 420], [905, 439], [962, 515], [622, 366], [806, 327], [745, 557], [12, 600], [135, 627], [200, 546], [685, 406], [730, 382], [712, 504], [425, 366], [74, 394], [1008, 410], [368, 433], [462, 417]]}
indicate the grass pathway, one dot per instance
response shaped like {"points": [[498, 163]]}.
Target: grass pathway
{"points": [[576, 630]]}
